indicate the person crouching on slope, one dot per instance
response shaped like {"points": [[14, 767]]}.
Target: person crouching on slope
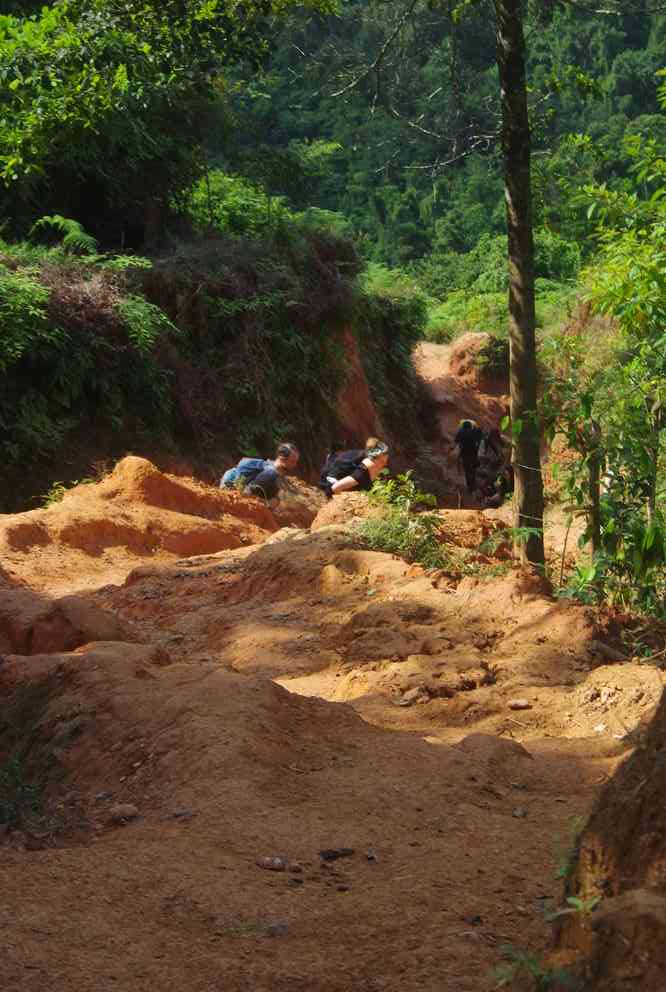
{"points": [[345, 471], [261, 477]]}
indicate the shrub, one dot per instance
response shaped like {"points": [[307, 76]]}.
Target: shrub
{"points": [[413, 537], [400, 492], [462, 312], [398, 529], [493, 357], [18, 798], [74, 344], [234, 205]]}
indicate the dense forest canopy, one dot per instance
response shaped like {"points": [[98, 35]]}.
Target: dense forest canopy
{"points": [[386, 114], [406, 96]]}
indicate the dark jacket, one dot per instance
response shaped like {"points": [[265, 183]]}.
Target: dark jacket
{"points": [[468, 440], [266, 484]]}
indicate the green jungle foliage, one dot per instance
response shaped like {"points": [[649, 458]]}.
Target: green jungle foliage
{"points": [[610, 405], [104, 104], [224, 346]]}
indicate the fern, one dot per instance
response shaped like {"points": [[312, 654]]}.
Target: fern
{"points": [[75, 240]]}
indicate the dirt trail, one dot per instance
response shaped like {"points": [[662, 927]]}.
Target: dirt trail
{"points": [[457, 387], [439, 735]]}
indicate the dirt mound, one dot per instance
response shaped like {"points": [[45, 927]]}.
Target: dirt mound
{"points": [[469, 365], [618, 942], [31, 624], [299, 503], [455, 382], [330, 619], [137, 511], [468, 528], [176, 766], [342, 509], [137, 481]]}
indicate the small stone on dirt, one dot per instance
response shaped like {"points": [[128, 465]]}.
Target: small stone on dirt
{"points": [[519, 812], [182, 814], [272, 864], [415, 695], [123, 812], [371, 854], [333, 853], [519, 704]]}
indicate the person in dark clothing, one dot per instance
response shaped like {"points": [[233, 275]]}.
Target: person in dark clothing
{"points": [[267, 482], [344, 471], [502, 487], [338, 456], [468, 438], [493, 442]]}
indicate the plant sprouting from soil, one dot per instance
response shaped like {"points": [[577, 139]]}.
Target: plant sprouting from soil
{"points": [[524, 965]]}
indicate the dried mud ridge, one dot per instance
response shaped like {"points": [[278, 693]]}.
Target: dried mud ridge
{"points": [[280, 696]]}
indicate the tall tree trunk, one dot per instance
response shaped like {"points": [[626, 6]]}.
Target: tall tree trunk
{"points": [[593, 468], [594, 477], [528, 493]]}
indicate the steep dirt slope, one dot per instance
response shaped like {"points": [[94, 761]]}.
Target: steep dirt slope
{"points": [[457, 387], [453, 831]]}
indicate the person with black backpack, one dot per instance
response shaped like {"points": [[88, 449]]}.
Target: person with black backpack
{"points": [[356, 468], [468, 438]]}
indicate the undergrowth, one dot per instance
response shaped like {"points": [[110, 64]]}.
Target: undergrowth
{"points": [[226, 346], [58, 489], [19, 798], [75, 347], [389, 321], [523, 965], [399, 528]]}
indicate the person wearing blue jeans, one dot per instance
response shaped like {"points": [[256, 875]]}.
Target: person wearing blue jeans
{"points": [[261, 476]]}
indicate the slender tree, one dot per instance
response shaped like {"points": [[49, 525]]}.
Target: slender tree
{"points": [[528, 497]]}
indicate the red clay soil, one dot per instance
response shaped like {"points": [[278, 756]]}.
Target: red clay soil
{"points": [[276, 761], [97, 531], [397, 741], [341, 510], [458, 385], [621, 865], [355, 411]]}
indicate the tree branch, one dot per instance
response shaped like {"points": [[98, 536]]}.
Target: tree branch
{"points": [[374, 66]]}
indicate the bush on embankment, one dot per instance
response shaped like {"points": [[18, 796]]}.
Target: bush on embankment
{"points": [[220, 349]]}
